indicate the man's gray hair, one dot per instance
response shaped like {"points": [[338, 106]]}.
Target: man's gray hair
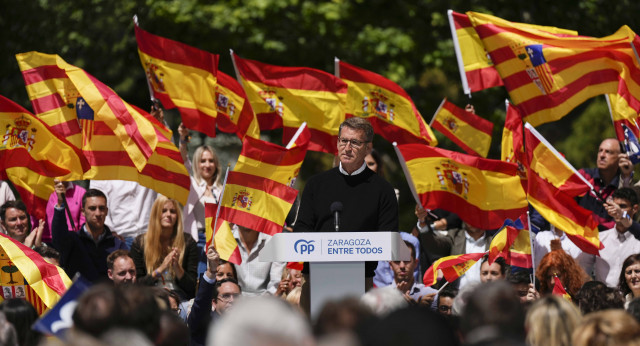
{"points": [[356, 123], [384, 300]]}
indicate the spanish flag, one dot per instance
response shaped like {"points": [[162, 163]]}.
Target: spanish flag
{"points": [[59, 104], [222, 238], [288, 96], [471, 132], [25, 274], [558, 289], [385, 104], [550, 165], [551, 191], [31, 156], [513, 244], [624, 117], [258, 194], [476, 68], [235, 114], [72, 102], [513, 142], [483, 192], [452, 267], [547, 75], [182, 77]]}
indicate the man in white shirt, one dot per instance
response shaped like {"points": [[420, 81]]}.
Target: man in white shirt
{"points": [[618, 242], [129, 206]]}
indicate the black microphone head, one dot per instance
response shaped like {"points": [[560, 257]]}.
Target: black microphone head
{"points": [[336, 206]]}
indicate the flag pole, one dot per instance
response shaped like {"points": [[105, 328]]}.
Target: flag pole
{"points": [[403, 163], [235, 67], [533, 260], [336, 67], [437, 111], [456, 48], [293, 139], [215, 222], [154, 101]]}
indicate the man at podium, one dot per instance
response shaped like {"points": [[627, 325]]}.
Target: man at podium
{"points": [[350, 197]]}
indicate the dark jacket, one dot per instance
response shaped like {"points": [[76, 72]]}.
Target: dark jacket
{"points": [[78, 252], [201, 318]]}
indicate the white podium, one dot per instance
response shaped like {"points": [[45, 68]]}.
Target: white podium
{"points": [[336, 259]]}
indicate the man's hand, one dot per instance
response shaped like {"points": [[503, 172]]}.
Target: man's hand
{"points": [[532, 294], [403, 286], [60, 189], [618, 215], [626, 168], [427, 299], [183, 132], [213, 260], [157, 113]]}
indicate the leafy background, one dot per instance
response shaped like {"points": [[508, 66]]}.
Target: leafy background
{"points": [[406, 41]]}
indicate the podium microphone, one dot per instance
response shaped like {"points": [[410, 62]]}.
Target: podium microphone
{"points": [[336, 209]]}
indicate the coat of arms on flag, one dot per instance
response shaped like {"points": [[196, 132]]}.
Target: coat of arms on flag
{"points": [[19, 135], [536, 65], [377, 104], [452, 180]]}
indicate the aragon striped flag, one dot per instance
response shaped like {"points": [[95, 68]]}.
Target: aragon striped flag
{"points": [[385, 104], [483, 192], [25, 274], [235, 114], [222, 238], [513, 244], [476, 68], [182, 77], [31, 156], [513, 142], [469, 131], [72, 102], [547, 75], [258, 194], [452, 267], [285, 97], [551, 191], [61, 104]]}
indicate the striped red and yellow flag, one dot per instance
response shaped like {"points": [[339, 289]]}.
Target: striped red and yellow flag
{"points": [[483, 192], [222, 238], [58, 103], [386, 105], [471, 132], [513, 244], [258, 194], [513, 142], [547, 75], [558, 289], [476, 68], [550, 165], [181, 77], [66, 97], [452, 267], [624, 117], [31, 156], [25, 272], [285, 97], [235, 114]]}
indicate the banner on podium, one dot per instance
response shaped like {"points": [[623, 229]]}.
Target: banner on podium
{"points": [[335, 247]]}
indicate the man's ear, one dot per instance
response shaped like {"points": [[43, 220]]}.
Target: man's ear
{"points": [[634, 209], [110, 274]]}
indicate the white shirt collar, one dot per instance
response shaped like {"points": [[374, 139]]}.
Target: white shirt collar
{"points": [[357, 171], [474, 241]]}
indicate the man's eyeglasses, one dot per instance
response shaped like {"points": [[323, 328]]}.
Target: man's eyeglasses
{"points": [[444, 308], [354, 142], [226, 297]]}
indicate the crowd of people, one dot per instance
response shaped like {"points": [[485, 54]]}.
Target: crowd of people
{"points": [[155, 283]]}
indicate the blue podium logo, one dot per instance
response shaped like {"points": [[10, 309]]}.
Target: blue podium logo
{"points": [[304, 246]]}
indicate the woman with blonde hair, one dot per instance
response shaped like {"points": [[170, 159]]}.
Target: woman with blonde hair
{"points": [[164, 256], [607, 328], [551, 321], [205, 188]]}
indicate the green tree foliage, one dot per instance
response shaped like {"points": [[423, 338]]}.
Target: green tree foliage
{"points": [[406, 41]]}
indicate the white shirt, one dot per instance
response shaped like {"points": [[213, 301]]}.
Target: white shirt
{"points": [[129, 205], [542, 246], [473, 246], [357, 171], [255, 277], [617, 247]]}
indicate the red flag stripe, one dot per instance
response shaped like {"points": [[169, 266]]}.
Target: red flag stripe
{"points": [[47, 103], [250, 220], [156, 46], [418, 152], [42, 73], [270, 153], [318, 80], [271, 187], [473, 120]]}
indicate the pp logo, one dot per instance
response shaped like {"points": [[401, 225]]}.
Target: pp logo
{"points": [[304, 246]]}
